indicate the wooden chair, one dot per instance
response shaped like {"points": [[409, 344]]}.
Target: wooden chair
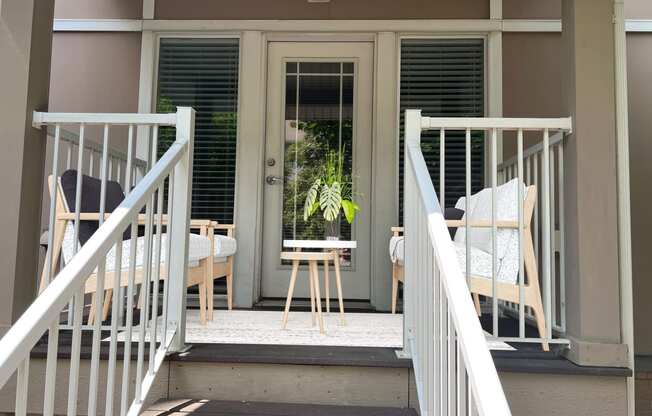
{"points": [[505, 290], [397, 267], [200, 271], [222, 266]]}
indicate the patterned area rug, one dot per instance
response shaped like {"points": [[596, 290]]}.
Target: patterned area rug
{"points": [[264, 327]]}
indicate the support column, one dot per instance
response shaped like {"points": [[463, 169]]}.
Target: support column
{"points": [[385, 156], [25, 48], [593, 290]]}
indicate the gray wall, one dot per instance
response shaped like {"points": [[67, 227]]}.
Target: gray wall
{"points": [[336, 9], [639, 51]]}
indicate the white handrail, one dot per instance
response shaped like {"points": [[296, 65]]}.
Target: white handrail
{"points": [[67, 288], [23, 335], [466, 337]]}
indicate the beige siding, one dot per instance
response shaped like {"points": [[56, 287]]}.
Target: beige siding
{"points": [[531, 80], [98, 9], [640, 136], [95, 72], [638, 9], [336, 9], [532, 9]]}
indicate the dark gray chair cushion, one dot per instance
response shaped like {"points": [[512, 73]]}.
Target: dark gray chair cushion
{"points": [[453, 214], [90, 200]]}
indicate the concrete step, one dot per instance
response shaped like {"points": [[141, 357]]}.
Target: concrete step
{"points": [[181, 407]]}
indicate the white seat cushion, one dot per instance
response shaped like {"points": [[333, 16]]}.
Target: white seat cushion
{"points": [[481, 264], [198, 249], [224, 247], [397, 249]]}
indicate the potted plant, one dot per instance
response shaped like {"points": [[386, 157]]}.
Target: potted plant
{"points": [[332, 194]]}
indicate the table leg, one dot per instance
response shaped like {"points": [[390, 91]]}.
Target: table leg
{"points": [[293, 279], [326, 288], [312, 292], [338, 282], [315, 277]]}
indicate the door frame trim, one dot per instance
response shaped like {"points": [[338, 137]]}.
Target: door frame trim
{"points": [[368, 155]]}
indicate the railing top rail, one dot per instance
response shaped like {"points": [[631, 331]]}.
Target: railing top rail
{"points": [[39, 119], [71, 137], [23, 335], [504, 124], [554, 139], [488, 392]]}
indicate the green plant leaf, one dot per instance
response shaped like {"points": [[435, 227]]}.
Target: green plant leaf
{"points": [[350, 208], [330, 201], [311, 204]]}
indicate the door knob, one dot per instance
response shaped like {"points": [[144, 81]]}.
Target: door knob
{"points": [[272, 180]]}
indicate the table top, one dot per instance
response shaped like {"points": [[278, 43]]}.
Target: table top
{"points": [[320, 244]]}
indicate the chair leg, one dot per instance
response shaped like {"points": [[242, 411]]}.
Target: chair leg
{"points": [[288, 301], [394, 292], [326, 288], [91, 312], [229, 291], [312, 294], [338, 283], [539, 316], [315, 278], [210, 290], [202, 303], [476, 302], [108, 297]]}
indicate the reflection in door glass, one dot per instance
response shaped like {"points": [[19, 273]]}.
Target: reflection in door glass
{"points": [[318, 119]]}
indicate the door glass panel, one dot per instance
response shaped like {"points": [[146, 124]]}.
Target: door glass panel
{"points": [[318, 119]]}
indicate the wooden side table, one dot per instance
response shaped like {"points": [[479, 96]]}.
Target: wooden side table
{"points": [[329, 254]]}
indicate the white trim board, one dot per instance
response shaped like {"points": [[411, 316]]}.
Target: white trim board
{"points": [[98, 25], [320, 26]]}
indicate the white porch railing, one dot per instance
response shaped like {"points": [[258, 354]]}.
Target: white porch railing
{"points": [[541, 166], [92, 157], [453, 368], [533, 170], [66, 290]]}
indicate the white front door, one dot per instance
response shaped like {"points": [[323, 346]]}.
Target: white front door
{"points": [[319, 98]]}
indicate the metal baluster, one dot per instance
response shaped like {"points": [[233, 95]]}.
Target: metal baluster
{"points": [[553, 239], [167, 261], [115, 319], [521, 264], [99, 291], [562, 240], [78, 302], [546, 232], [51, 368], [147, 264], [157, 261], [442, 168], [494, 231], [467, 204], [22, 387], [129, 321]]}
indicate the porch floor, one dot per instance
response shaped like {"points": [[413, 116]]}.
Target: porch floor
{"points": [[256, 327]]}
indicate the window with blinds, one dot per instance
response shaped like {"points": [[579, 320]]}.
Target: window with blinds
{"points": [[444, 78], [203, 74]]}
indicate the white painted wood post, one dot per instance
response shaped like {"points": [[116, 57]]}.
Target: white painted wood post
{"points": [[412, 135], [179, 227]]}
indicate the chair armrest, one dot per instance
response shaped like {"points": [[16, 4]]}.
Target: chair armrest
{"points": [[142, 218], [230, 228], [483, 224]]}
